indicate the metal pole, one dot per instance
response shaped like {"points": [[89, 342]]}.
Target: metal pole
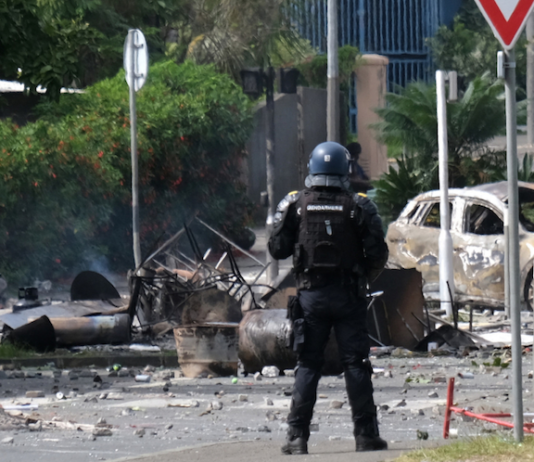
{"points": [[446, 273], [272, 271], [133, 135], [513, 244], [530, 79], [332, 111]]}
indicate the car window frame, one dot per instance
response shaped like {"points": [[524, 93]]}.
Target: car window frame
{"points": [[473, 201], [426, 210]]}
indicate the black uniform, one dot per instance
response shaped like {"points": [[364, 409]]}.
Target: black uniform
{"points": [[337, 242]]}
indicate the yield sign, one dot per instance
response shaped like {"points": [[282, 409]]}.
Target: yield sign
{"points": [[506, 17]]}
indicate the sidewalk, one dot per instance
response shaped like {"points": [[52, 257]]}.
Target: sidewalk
{"points": [[268, 451]]}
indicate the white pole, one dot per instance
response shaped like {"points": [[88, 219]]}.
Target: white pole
{"points": [[446, 273], [133, 135], [332, 111], [514, 273]]}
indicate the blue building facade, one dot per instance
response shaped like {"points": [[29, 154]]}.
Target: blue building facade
{"points": [[398, 29]]}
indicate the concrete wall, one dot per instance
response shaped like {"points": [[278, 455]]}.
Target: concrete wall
{"points": [[371, 88], [300, 125], [304, 113]]}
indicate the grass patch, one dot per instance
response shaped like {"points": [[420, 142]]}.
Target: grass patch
{"points": [[488, 449], [10, 351]]}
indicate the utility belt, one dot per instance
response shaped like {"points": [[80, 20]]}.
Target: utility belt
{"points": [[315, 278]]}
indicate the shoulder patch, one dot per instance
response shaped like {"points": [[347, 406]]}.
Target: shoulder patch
{"points": [[292, 193], [362, 194]]}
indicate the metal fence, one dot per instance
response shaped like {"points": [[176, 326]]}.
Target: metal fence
{"points": [[397, 29]]}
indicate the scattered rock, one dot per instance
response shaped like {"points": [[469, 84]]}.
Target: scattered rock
{"points": [[257, 376], [269, 402], [422, 435], [8, 440], [401, 403], [433, 394], [243, 398], [264, 429], [216, 405], [289, 372], [418, 412], [35, 394], [314, 427], [114, 396], [140, 432], [242, 429], [102, 431], [271, 416], [334, 438], [388, 374], [36, 427], [270, 371], [149, 369], [323, 396], [334, 404], [168, 427]]}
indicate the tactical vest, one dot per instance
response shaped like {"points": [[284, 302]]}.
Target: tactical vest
{"points": [[328, 235]]}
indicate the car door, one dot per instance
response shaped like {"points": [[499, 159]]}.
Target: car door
{"points": [[479, 254]]}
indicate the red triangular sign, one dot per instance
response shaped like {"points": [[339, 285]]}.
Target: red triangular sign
{"points": [[507, 18]]}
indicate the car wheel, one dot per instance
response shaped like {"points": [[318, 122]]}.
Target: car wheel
{"points": [[528, 291]]}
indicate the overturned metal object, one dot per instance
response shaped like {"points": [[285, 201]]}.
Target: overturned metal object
{"points": [[397, 316], [92, 330], [263, 338], [100, 318], [207, 350]]}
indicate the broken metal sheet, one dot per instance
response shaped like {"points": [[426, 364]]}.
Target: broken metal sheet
{"points": [[60, 310], [38, 335], [455, 338], [89, 285], [392, 319]]}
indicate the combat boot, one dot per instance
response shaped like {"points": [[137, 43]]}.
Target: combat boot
{"points": [[295, 445], [370, 443]]}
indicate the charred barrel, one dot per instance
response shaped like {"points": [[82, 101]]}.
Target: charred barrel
{"points": [[263, 338]]}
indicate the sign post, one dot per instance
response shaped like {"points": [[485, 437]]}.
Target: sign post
{"points": [[136, 67], [507, 18], [446, 268]]}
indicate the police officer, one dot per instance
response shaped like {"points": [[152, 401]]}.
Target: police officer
{"points": [[337, 242]]}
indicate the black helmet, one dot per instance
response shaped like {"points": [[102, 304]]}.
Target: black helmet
{"points": [[329, 158]]}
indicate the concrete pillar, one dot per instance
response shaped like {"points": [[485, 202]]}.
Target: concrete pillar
{"points": [[371, 88]]}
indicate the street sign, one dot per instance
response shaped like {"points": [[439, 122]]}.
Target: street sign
{"points": [[135, 49], [507, 18]]}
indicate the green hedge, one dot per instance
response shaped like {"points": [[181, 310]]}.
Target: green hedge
{"points": [[66, 196]]}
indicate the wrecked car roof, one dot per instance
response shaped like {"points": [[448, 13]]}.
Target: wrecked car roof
{"points": [[499, 190]]}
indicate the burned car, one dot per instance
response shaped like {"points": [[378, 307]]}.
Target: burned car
{"points": [[477, 232]]}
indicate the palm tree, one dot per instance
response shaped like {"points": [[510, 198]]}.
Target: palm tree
{"points": [[409, 123], [233, 34]]}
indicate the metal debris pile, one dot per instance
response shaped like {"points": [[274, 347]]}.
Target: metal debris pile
{"points": [[169, 282]]}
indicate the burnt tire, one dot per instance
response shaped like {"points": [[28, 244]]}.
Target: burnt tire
{"points": [[528, 291]]}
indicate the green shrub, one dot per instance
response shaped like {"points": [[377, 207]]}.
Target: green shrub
{"points": [[66, 195]]}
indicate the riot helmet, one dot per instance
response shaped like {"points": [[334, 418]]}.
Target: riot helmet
{"points": [[329, 158]]}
